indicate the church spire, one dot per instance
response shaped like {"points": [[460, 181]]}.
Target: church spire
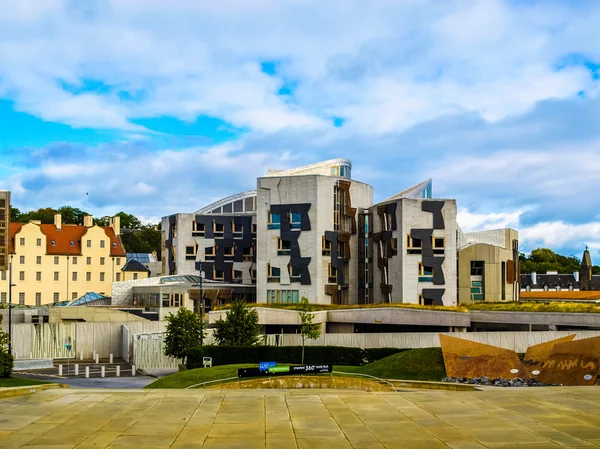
{"points": [[585, 271]]}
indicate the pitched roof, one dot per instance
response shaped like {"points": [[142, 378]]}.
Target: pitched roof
{"points": [[67, 240], [134, 265]]}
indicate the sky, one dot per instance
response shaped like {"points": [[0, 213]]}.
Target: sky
{"points": [[156, 107]]}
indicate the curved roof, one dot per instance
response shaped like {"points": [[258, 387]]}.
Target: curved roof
{"points": [[213, 207], [318, 168], [423, 190]]}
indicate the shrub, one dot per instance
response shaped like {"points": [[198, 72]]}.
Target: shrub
{"points": [[6, 364], [335, 355]]}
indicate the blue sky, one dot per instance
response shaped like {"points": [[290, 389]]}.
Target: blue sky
{"points": [[157, 107]]}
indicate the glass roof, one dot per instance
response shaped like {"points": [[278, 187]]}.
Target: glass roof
{"points": [[88, 297], [184, 278]]}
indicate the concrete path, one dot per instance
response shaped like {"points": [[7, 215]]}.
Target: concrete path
{"points": [[498, 418]]}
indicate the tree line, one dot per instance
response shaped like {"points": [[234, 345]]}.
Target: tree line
{"points": [[136, 237], [542, 260]]}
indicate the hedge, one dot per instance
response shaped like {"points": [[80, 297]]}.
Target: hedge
{"points": [[6, 364], [334, 355]]}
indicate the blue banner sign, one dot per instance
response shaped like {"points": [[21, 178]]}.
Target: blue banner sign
{"points": [[264, 366]]}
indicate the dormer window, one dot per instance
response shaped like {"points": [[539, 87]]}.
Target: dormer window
{"points": [[53, 242], [71, 242], [114, 244]]}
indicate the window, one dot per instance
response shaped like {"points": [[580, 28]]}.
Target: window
{"points": [[394, 245], [218, 274], [273, 221], [332, 273], [477, 267], [38, 260], [22, 260], [253, 228], [295, 221], [135, 276], [22, 241], [74, 277], [74, 295], [102, 261], [3, 297], [55, 297], [55, 260], [71, 243], [248, 252], [228, 251], [413, 243], [88, 243], [209, 253], [21, 275], [198, 229], [38, 276], [53, 242], [3, 275], [425, 273], [74, 260], [118, 277], [56, 275], [118, 261], [218, 229], [295, 273], [38, 299], [335, 171], [88, 276], [88, 260], [283, 296], [102, 243], [326, 244], [175, 300], [477, 291], [438, 242], [237, 274], [102, 277], [236, 228], [273, 274], [38, 242], [190, 250], [283, 247], [114, 244], [22, 299]]}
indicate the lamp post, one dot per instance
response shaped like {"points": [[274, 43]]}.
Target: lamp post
{"points": [[10, 286], [67, 278]]}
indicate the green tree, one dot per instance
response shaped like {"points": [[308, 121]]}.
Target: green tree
{"points": [[6, 358], [240, 326], [71, 215], [15, 215], [308, 329], [542, 255], [146, 239], [185, 330], [129, 221]]}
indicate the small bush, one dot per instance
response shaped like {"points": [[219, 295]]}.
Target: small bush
{"points": [[6, 364], [334, 355]]}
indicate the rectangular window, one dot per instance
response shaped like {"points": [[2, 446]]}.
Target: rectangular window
{"points": [[55, 297], [22, 260], [101, 277], [477, 267], [218, 229], [88, 260], [38, 299], [38, 276], [102, 261], [198, 229], [295, 273], [118, 277], [438, 242], [248, 252], [118, 262], [38, 260], [209, 253], [331, 274], [135, 276], [88, 243], [102, 243], [237, 274], [22, 299], [21, 275], [237, 228], [295, 221], [283, 246], [3, 297], [74, 276], [38, 242], [3, 275], [74, 260], [22, 242], [56, 275], [218, 274], [253, 228], [74, 295], [326, 245], [425, 273], [88, 276], [55, 260], [228, 251], [273, 274], [273, 221], [190, 250], [413, 243]]}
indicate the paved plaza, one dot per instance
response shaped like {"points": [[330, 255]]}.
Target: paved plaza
{"points": [[328, 419]]}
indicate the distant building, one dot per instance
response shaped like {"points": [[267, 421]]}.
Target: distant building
{"points": [[4, 228], [149, 260]]}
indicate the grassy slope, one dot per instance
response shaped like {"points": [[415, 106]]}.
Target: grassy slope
{"points": [[19, 382], [416, 364]]}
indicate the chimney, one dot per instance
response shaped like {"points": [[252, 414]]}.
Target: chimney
{"points": [[116, 224], [88, 221], [58, 221], [576, 276], [534, 278]]}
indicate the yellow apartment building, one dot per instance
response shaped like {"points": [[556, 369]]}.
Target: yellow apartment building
{"points": [[56, 262]]}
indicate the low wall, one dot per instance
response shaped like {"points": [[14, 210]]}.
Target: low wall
{"points": [[517, 341], [295, 382]]}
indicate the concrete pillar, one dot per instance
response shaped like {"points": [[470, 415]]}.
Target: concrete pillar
{"points": [[97, 358], [77, 369], [102, 372], [87, 372], [132, 370], [31, 355], [110, 358], [118, 371], [80, 355], [60, 370]]}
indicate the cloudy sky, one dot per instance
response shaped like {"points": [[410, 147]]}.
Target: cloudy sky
{"points": [[156, 107]]}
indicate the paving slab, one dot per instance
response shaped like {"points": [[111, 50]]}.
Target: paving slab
{"points": [[536, 418]]}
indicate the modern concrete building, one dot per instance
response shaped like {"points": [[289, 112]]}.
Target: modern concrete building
{"points": [[59, 262], [488, 266], [314, 231], [4, 227]]}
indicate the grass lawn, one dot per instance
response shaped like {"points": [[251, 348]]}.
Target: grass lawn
{"points": [[416, 364], [19, 382]]}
